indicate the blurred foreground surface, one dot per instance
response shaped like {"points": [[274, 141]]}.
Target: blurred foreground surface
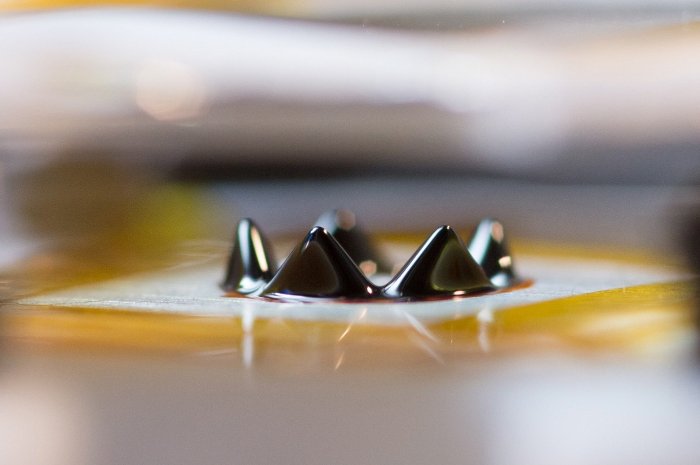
{"points": [[107, 409]]}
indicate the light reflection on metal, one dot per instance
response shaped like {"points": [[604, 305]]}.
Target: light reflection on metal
{"points": [[259, 250]]}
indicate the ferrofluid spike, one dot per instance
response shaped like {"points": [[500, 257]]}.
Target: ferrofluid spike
{"points": [[342, 225], [490, 249], [319, 267], [335, 258], [251, 264], [442, 266]]}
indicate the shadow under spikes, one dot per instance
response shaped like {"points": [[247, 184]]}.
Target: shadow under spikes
{"points": [[319, 267], [251, 264], [490, 249], [342, 226], [441, 267]]}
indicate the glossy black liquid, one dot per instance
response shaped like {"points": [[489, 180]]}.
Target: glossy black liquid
{"points": [[490, 249], [335, 257], [342, 226], [441, 267], [319, 267], [251, 264]]}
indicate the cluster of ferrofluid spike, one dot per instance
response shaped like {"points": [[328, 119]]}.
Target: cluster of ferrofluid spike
{"points": [[335, 257]]}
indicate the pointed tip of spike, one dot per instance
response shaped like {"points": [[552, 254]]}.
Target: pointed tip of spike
{"points": [[251, 264], [319, 235], [319, 268], [489, 247], [316, 232], [441, 267]]}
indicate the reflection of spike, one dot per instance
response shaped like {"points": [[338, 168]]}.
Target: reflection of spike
{"points": [[341, 224], [441, 267], [251, 264], [319, 267], [489, 248]]}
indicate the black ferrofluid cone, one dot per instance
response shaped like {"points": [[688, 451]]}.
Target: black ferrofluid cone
{"points": [[489, 247], [442, 266], [319, 267], [342, 226], [251, 264]]}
